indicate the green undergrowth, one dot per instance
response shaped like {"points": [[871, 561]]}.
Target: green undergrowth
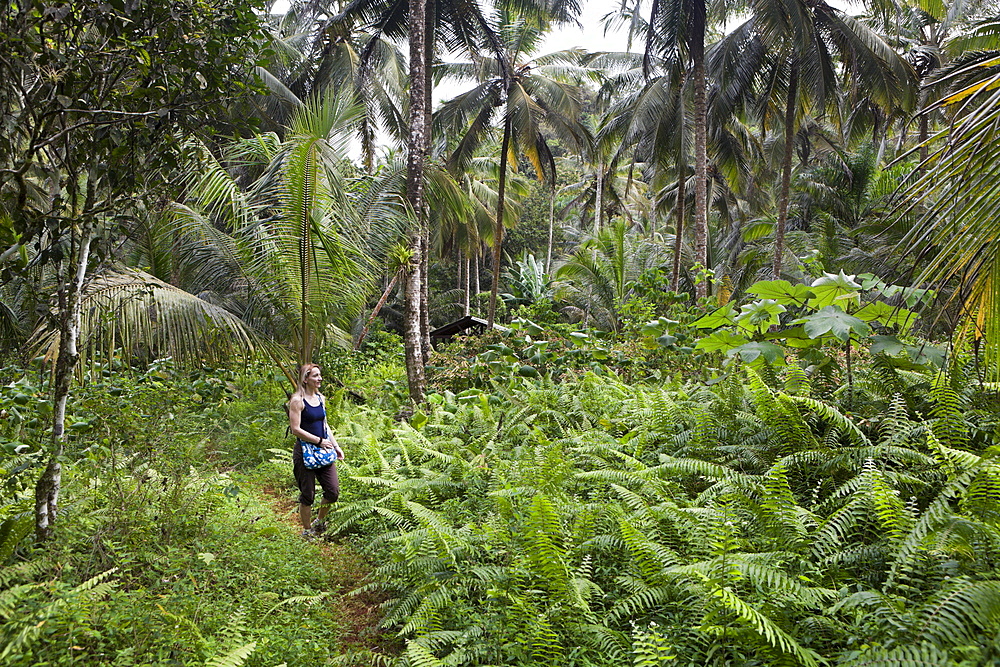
{"points": [[759, 521], [168, 549], [169, 567], [774, 517]]}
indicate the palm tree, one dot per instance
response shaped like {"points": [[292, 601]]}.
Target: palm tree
{"points": [[280, 267], [530, 95], [306, 58], [957, 232], [932, 35], [601, 270], [784, 56]]}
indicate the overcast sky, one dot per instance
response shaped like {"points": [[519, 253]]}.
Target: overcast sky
{"points": [[590, 36]]}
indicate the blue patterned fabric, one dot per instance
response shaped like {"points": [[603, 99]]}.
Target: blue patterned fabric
{"points": [[314, 456]]}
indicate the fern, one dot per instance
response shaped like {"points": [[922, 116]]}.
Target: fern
{"points": [[760, 623], [418, 656], [233, 658], [13, 529], [921, 655], [541, 541], [961, 613]]}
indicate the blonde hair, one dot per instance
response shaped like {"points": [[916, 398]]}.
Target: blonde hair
{"points": [[304, 372]]}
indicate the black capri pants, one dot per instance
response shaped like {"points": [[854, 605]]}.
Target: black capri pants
{"points": [[306, 479]]}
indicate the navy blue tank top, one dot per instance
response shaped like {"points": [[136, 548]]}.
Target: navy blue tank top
{"points": [[313, 418]]}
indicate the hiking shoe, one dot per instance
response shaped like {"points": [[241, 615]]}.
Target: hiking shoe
{"points": [[318, 527], [308, 533]]}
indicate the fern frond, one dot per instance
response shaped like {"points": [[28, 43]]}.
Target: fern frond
{"points": [[921, 655], [233, 658]]}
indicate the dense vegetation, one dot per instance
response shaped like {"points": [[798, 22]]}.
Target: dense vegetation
{"points": [[741, 408]]}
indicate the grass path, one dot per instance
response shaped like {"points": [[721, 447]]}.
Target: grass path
{"points": [[358, 614]]}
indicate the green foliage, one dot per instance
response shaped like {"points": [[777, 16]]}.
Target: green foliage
{"points": [[593, 522]]}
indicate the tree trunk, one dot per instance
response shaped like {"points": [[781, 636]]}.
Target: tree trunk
{"points": [[68, 299], [466, 300], [475, 278], [924, 133], [425, 325], [552, 226], [675, 275], [697, 48], [416, 158], [498, 237], [375, 312], [599, 199], [786, 171], [425, 270]]}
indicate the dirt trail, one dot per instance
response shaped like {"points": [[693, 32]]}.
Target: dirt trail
{"points": [[358, 615]]}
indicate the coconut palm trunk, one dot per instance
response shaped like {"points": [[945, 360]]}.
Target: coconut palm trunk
{"points": [[697, 48], [425, 300], [675, 275], [552, 225], [475, 276], [466, 297], [68, 299], [425, 239], [786, 170], [498, 236], [416, 159], [599, 198]]}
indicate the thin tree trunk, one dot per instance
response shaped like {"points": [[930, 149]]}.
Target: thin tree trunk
{"points": [[475, 277], [68, 298], [425, 309], [786, 171], [375, 312], [675, 276], [416, 159], [700, 143], [924, 133], [425, 240], [552, 226], [498, 240], [465, 285], [599, 199]]}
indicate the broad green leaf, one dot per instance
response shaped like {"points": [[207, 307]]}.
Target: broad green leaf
{"points": [[666, 340], [792, 337], [721, 341], [927, 355], [718, 318], [833, 289], [750, 352], [914, 296], [880, 311], [871, 281], [781, 291], [527, 326], [886, 345], [657, 327], [759, 315], [833, 320]]}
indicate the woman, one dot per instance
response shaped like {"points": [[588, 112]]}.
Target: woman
{"points": [[307, 422]]}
